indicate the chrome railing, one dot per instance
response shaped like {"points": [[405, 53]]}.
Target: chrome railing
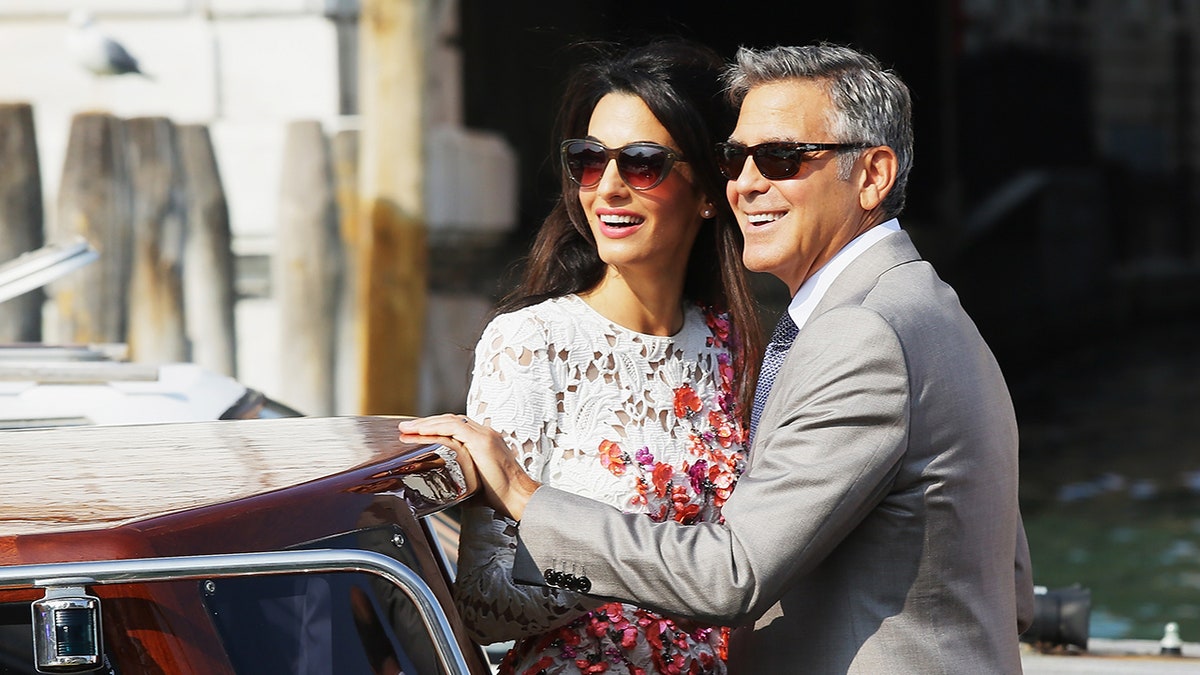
{"points": [[140, 570]]}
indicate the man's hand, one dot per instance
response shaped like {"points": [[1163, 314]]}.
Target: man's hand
{"points": [[506, 486]]}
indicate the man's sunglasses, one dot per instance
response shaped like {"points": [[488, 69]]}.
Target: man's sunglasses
{"points": [[775, 161], [641, 165]]}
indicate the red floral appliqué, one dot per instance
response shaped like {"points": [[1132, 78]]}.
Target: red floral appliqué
{"points": [[687, 402]]}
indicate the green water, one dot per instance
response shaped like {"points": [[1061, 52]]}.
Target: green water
{"points": [[1141, 562], [1110, 476]]}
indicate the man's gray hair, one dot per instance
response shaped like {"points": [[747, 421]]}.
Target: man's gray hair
{"points": [[871, 104]]}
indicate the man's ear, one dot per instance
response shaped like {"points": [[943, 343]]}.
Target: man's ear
{"points": [[878, 176]]}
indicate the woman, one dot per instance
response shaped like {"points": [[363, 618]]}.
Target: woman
{"points": [[622, 366]]}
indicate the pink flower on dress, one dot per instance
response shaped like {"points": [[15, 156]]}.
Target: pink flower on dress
{"points": [[724, 428], [725, 369], [613, 458], [615, 612], [629, 636], [715, 456], [719, 325], [654, 629], [644, 456], [697, 473], [722, 482]]}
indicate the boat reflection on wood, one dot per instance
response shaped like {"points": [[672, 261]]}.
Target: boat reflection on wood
{"points": [[426, 483]]}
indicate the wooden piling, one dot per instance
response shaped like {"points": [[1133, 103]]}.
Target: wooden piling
{"points": [[344, 153], [307, 270], [157, 333], [207, 257], [94, 202], [392, 244], [21, 217], [347, 387]]}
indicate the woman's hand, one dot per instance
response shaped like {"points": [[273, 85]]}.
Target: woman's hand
{"points": [[506, 486]]}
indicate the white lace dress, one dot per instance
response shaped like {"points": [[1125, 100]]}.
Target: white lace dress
{"points": [[644, 423]]}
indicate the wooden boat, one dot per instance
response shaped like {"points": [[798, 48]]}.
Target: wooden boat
{"points": [[297, 545]]}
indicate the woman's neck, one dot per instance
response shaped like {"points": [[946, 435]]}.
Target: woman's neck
{"points": [[645, 306]]}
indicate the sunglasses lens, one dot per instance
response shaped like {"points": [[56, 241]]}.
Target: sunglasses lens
{"points": [[775, 162], [585, 162], [642, 166], [730, 159]]}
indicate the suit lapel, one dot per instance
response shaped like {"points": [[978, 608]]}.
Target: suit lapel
{"points": [[859, 276], [852, 285]]}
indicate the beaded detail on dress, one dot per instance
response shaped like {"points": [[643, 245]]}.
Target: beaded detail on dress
{"points": [[647, 424]]}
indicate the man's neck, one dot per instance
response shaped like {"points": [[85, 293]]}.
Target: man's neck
{"points": [[809, 294]]}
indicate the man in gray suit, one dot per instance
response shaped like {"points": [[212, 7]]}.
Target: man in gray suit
{"points": [[876, 528]]}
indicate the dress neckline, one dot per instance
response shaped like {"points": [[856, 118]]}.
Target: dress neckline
{"points": [[688, 312]]}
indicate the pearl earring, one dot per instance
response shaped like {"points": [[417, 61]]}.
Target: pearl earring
{"points": [[707, 213]]}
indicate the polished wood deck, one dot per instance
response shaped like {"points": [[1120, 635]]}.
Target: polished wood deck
{"points": [[90, 477]]}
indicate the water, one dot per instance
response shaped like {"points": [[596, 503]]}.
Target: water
{"points": [[1110, 486]]}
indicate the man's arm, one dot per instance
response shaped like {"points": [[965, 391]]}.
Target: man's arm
{"points": [[832, 437]]}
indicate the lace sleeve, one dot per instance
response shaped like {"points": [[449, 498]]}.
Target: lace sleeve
{"points": [[512, 386], [512, 390], [492, 606]]}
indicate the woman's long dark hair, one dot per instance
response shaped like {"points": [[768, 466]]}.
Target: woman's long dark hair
{"points": [[680, 82]]}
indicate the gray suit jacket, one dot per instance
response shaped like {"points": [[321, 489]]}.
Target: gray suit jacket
{"points": [[876, 528]]}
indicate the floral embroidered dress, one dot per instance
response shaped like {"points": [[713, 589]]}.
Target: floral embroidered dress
{"points": [[644, 423]]}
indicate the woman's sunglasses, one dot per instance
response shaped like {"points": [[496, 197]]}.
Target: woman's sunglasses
{"points": [[641, 165], [775, 161]]}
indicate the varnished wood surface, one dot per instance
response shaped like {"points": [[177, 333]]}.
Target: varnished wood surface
{"points": [[91, 477]]}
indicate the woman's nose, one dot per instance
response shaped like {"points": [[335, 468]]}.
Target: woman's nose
{"points": [[610, 180]]}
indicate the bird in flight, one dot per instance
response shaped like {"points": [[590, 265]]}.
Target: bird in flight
{"points": [[97, 52]]}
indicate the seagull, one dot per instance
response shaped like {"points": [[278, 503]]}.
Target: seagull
{"points": [[97, 52]]}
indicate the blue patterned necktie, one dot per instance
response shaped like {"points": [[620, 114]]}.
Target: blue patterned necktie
{"points": [[777, 349]]}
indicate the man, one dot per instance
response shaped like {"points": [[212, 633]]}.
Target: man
{"points": [[876, 528]]}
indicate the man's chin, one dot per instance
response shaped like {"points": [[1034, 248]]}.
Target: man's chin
{"points": [[756, 263]]}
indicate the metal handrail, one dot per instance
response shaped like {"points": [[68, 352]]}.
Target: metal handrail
{"points": [[37, 268], [139, 570]]}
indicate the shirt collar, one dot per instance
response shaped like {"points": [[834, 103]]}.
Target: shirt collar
{"points": [[813, 289]]}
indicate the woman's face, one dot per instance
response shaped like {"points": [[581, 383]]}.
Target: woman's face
{"points": [[647, 231]]}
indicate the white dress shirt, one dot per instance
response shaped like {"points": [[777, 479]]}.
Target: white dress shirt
{"points": [[813, 289]]}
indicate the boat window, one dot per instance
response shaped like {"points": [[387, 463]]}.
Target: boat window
{"points": [[315, 624], [325, 623]]}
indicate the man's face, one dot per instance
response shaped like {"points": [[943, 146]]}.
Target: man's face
{"points": [[795, 225]]}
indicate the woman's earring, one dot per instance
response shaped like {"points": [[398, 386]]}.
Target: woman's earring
{"points": [[708, 212]]}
